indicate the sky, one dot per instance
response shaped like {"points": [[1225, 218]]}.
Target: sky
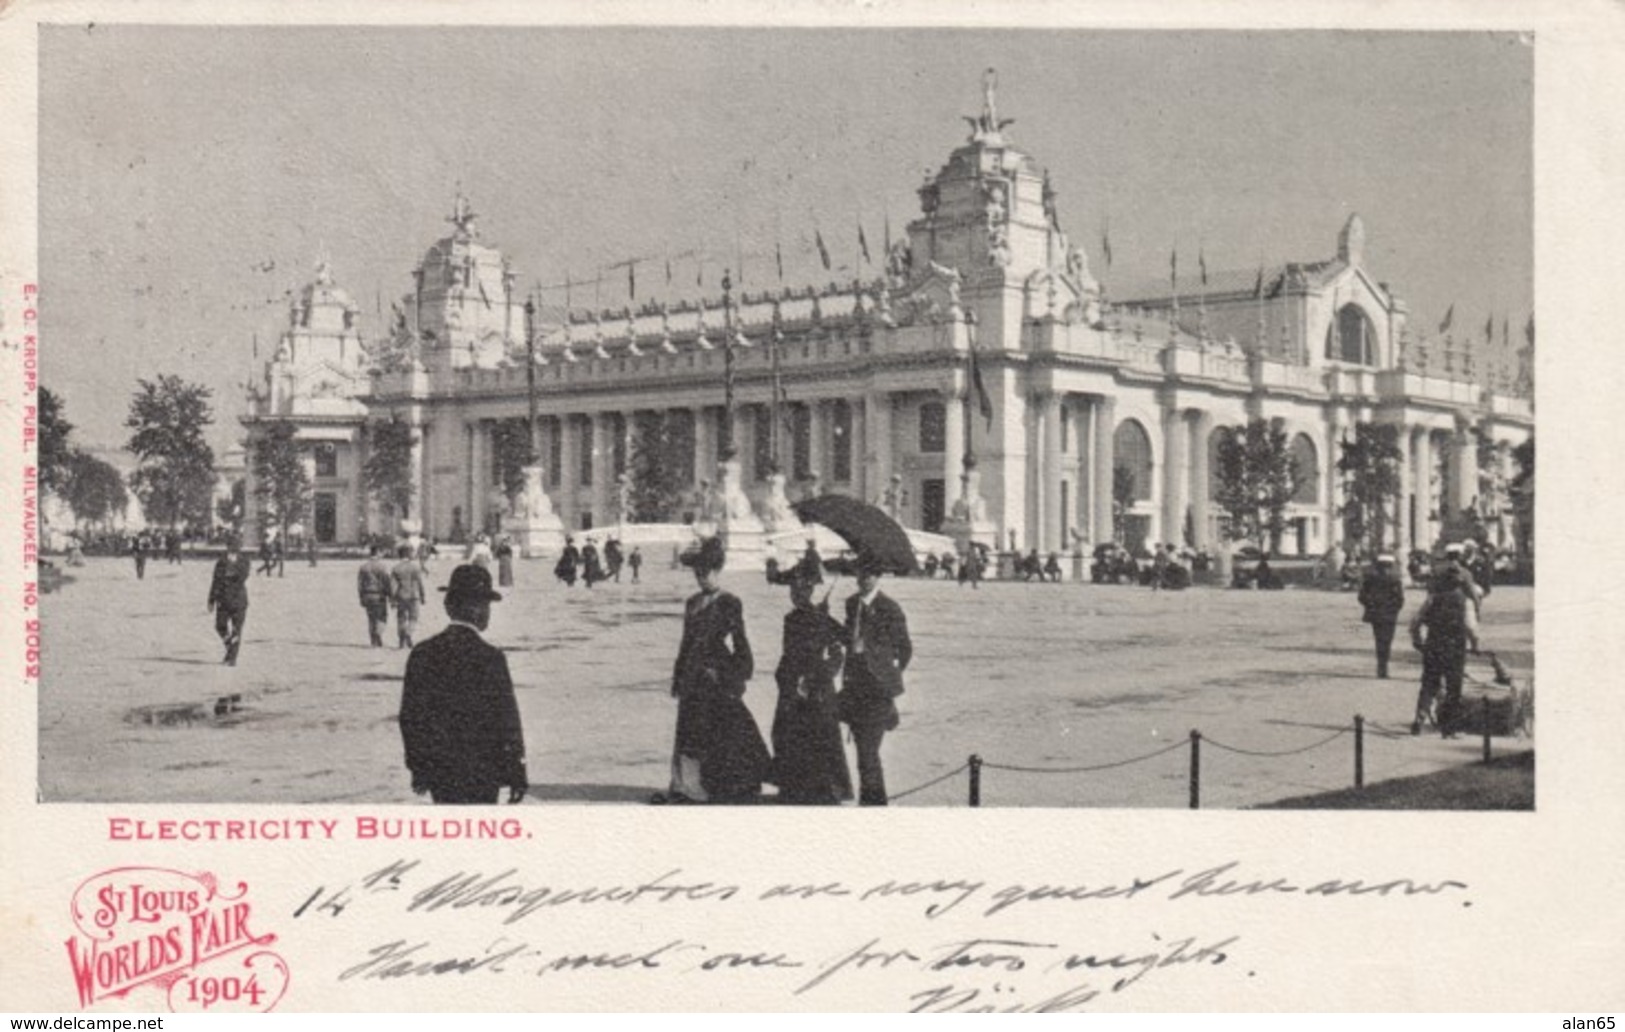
{"points": [[191, 176]]}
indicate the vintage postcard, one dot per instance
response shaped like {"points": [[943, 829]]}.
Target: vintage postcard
{"points": [[816, 508]]}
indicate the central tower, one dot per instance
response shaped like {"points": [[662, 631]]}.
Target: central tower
{"points": [[990, 213]]}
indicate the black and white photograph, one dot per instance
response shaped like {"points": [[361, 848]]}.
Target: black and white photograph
{"points": [[814, 507], [742, 416]]}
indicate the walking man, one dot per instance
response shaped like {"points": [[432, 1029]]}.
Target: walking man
{"points": [[228, 598], [635, 561], [406, 588], [372, 583], [1382, 594], [138, 548], [878, 651], [459, 719]]}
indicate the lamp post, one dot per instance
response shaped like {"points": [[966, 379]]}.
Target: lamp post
{"points": [[775, 465], [534, 452], [728, 451]]}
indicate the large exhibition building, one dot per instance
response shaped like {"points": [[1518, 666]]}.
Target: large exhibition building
{"points": [[873, 384]]}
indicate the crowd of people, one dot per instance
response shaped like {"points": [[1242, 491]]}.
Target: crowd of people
{"points": [[592, 568], [461, 726], [464, 743]]}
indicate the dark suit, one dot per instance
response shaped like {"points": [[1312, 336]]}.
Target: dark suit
{"points": [[459, 720], [228, 597], [1382, 595], [878, 652], [374, 586]]}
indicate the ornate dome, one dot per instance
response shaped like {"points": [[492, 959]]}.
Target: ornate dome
{"points": [[322, 291]]}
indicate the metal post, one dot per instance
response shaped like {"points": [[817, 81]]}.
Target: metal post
{"points": [[1196, 769], [975, 780], [1486, 718], [1359, 751]]}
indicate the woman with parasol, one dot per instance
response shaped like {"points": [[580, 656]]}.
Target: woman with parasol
{"points": [[719, 755], [809, 765]]}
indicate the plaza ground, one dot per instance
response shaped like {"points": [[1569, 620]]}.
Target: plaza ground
{"points": [[1026, 675]]}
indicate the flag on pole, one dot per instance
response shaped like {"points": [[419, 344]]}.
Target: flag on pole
{"points": [[1173, 269], [1489, 329], [632, 279], [1449, 314], [699, 270], [778, 259], [1506, 335], [823, 252], [1106, 243], [1258, 284], [887, 240], [863, 245], [668, 272], [1201, 262]]}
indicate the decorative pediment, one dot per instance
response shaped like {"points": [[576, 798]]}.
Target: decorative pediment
{"points": [[932, 297]]}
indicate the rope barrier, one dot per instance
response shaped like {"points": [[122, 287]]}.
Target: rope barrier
{"points": [[990, 765], [1285, 752], [934, 781]]}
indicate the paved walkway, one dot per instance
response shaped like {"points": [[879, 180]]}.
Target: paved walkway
{"points": [[1022, 674]]}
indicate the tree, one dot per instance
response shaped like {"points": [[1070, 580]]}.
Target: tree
{"points": [[1522, 490], [280, 480], [55, 450], [94, 489], [387, 472], [175, 481], [1123, 491], [1257, 477], [1370, 467], [654, 470]]}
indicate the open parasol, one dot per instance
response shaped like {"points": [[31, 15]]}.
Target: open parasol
{"points": [[866, 528]]}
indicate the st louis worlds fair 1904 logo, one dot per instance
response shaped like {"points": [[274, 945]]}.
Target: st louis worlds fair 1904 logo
{"points": [[185, 935]]}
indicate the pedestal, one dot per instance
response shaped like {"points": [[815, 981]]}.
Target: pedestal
{"points": [[534, 528], [776, 512], [967, 522], [738, 527]]}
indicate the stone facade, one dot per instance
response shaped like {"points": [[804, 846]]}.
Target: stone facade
{"points": [[876, 377]]}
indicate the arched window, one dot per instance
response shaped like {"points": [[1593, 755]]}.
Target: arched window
{"points": [[1131, 450], [1306, 464], [933, 428], [1351, 337]]}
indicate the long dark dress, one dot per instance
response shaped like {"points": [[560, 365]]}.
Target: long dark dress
{"points": [[713, 725], [809, 764]]}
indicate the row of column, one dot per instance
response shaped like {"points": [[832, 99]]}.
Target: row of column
{"points": [[569, 443]]}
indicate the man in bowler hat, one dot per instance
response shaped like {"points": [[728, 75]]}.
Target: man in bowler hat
{"points": [[878, 651], [459, 719], [228, 598]]}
